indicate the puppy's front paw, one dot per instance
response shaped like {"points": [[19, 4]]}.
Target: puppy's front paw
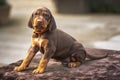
{"points": [[38, 71], [19, 68]]}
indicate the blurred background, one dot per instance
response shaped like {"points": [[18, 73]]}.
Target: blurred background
{"points": [[94, 23]]}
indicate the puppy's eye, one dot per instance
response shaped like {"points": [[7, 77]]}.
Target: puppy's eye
{"points": [[36, 14], [46, 16]]}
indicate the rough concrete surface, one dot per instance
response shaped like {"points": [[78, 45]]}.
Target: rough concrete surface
{"points": [[103, 69]]}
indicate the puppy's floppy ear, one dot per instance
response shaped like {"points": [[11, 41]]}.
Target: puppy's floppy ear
{"points": [[30, 22], [52, 24]]}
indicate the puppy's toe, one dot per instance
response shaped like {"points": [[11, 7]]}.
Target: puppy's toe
{"points": [[73, 64], [38, 71], [19, 68]]}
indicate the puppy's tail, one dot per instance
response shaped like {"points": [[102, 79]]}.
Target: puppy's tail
{"points": [[93, 53]]}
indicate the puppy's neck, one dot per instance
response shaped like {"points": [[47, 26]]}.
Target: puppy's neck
{"points": [[38, 34], [41, 31]]}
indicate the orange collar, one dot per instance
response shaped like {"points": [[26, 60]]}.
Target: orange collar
{"points": [[40, 32]]}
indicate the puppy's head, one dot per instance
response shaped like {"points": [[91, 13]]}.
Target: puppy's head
{"points": [[42, 20]]}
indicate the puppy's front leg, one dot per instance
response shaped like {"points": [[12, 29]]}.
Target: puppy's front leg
{"points": [[49, 52], [30, 54], [42, 65]]}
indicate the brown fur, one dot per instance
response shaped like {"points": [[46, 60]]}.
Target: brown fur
{"points": [[52, 43]]}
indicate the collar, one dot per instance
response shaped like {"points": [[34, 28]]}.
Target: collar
{"points": [[40, 32]]}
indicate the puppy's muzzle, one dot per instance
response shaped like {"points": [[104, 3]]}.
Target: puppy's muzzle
{"points": [[38, 23]]}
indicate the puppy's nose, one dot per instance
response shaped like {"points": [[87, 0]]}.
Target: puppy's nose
{"points": [[39, 21]]}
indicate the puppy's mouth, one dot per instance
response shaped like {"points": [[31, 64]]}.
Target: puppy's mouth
{"points": [[39, 28]]}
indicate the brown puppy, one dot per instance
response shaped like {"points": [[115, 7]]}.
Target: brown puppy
{"points": [[52, 43]]}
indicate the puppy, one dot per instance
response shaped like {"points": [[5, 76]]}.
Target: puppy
{"points": [[51, 42]]}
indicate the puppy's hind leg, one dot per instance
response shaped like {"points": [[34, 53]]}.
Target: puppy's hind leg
{"points": [[77, 58]]}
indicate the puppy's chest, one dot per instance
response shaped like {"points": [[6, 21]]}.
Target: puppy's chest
{"points": [[41, 42], [38, 41]]}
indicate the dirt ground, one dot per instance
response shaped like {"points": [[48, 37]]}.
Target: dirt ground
{"points": [[102, 69]]}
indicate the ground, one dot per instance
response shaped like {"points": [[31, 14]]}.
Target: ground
{"points": [[102, 69]]}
